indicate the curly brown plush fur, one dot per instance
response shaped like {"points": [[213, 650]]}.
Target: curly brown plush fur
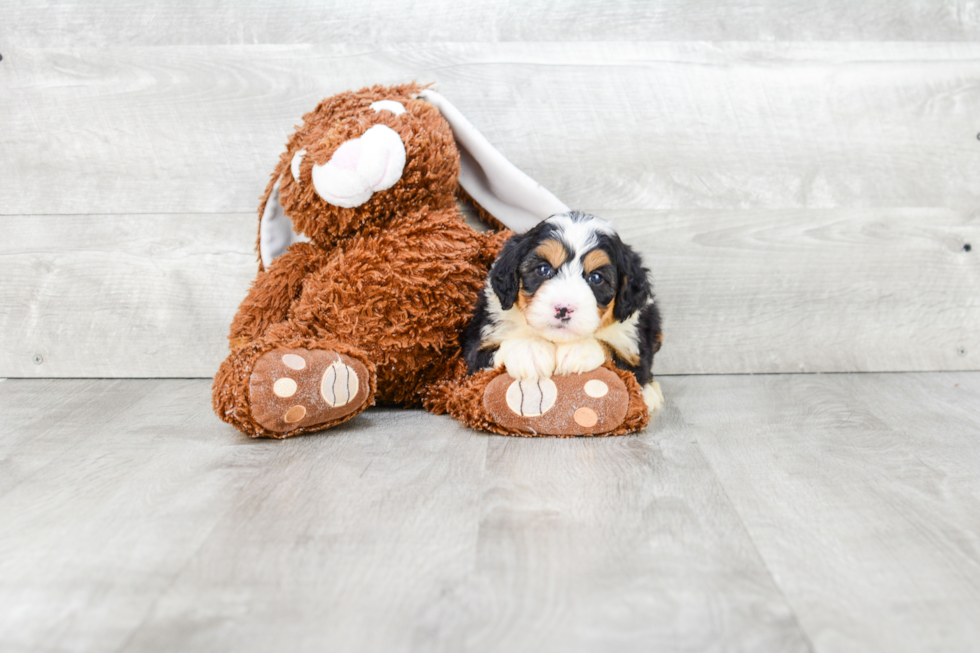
{"points": [[389, 283]]}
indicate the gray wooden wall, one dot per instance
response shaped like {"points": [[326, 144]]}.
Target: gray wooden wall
{"points": [[803, 177]]}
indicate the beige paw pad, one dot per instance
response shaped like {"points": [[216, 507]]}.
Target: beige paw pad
{"points": [[532, 398], [586, 417], [294, 362], [284, 387], [294, 414], [596, 388], [339, 384]]}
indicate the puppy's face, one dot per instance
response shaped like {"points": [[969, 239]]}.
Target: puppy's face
{"points": [[570, 276]]}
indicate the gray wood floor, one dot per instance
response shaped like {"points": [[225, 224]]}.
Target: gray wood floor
{"points": [[800, 177], [758, 513]]}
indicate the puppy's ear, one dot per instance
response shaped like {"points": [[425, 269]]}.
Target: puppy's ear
{"points": [[505, 275], [634, 283]]}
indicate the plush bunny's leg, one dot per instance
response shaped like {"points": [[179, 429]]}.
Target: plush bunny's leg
{"points": [[275, 388], [292, 389], [565, 404], [605, 401]]}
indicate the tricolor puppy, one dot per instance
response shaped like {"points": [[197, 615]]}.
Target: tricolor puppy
{"points": [[563, 298]]}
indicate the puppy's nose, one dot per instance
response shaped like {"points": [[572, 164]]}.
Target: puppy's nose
{"points": [[562, 311]]}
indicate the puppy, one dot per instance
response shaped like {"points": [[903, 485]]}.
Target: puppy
{"points": [[563, 298]]}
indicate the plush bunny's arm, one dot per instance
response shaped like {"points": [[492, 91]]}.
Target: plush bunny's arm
{"points": [[272, 293], [501, 188]]}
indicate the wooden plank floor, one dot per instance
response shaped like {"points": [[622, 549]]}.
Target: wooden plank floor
{"points": [[763, 513]]}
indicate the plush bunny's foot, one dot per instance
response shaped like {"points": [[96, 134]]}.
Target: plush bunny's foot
{"points": [[574, 404], [301, 388]]}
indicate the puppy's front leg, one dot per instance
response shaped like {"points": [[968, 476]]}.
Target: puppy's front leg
{"points": [[526, 358], [579, 356]]}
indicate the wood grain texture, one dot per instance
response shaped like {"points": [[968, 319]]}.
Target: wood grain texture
{"points": [[110, 296], [812, 291], [741, 291], [612, 544], [117, 485], [162, 529], [760, 513], [45, 23], [862, 495], [603, 125]]}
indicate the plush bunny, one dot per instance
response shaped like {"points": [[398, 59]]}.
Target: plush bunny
{"points": [[369, 274]]}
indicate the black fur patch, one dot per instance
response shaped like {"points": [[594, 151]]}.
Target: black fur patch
{"points": [[469, 340], [649, 334]]}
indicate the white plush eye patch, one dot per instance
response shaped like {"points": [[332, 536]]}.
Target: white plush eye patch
{"points": [[294, 164]]}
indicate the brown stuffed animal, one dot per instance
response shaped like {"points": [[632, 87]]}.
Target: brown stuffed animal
{"points": [[369, 273]]}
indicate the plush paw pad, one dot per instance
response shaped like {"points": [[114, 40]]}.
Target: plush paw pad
{"points": [[297, 388], [531, 398], [573, 404]]}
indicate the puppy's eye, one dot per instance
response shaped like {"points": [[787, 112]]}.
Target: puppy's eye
{"points": [[595, 278], [545, 270]]}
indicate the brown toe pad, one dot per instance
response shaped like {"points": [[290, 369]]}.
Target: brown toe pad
{"points": [[574, 404], [300, 388]]}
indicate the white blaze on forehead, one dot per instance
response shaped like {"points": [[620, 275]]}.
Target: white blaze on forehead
{"points": [[580, 235], [396, 108], [360, 167], [295, 163]]}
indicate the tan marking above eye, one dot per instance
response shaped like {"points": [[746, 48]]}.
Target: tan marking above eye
{"points": [[595, 260], [552, 251]]}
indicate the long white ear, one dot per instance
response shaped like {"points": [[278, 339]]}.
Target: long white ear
{"points": [[506, 192], [275, 230]]}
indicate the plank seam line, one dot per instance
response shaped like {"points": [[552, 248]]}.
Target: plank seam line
{"points": [[755, 547]]}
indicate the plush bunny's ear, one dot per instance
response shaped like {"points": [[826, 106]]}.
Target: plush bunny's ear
{"points": [[495, 183], [275, 230]]}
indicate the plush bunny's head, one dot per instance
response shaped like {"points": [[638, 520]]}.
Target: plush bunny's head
{"points": [[363, 158]]}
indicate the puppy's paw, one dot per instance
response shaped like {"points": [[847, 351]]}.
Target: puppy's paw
{"points": [[579, 356], [653, 396], [527, 358]]}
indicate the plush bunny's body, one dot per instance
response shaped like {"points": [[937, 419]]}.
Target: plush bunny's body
{"points": [[369, 272]]}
